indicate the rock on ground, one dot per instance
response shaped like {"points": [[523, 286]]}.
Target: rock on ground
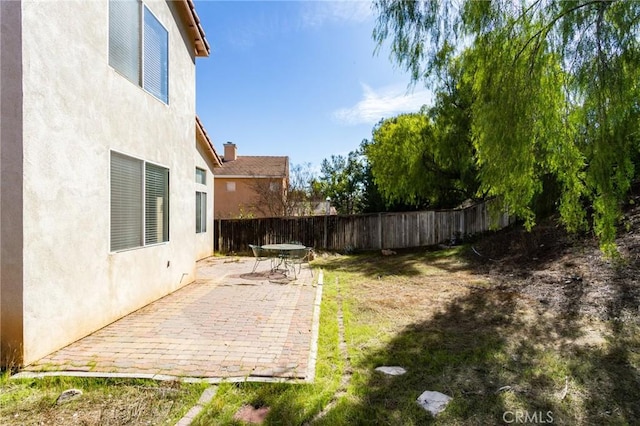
{"points": [[433, 402], [391, 371]]}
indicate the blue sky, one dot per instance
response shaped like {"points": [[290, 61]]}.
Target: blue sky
{"points": [[296, 78]]}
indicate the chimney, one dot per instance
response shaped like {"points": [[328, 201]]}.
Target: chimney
{"points": [[230, 151]]}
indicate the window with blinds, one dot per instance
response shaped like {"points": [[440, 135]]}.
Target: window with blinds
{"points": [[139, 46], [126, 202], [201, 212], [124, 38], [156, 210], [156, 57], [139, 203], [201, 176]]}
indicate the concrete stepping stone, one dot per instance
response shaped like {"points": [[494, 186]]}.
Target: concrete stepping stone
{"points": [[391, 371], [433, 402]]}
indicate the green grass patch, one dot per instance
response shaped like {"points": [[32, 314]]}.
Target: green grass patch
{"points": [[103, 401]]}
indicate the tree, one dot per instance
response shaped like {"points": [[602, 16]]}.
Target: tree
{"points": [[342, 180], [555, 92], [275, 199], [427, 158], [372, 200], [270, 197], [300, 193]]}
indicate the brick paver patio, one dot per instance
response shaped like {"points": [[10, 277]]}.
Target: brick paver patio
{"points": [[228, 324]]}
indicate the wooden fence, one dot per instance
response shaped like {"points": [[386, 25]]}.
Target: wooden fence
{"points": [[362, 232]]}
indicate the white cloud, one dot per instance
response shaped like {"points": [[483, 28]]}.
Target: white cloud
{"points": [[318, 13], [382, 103]]}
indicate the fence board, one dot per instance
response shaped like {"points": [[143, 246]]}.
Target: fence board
{"points": [[362, 232]]}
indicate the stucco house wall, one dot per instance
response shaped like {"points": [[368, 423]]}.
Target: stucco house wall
{"points": [[234, 203], [76, 110], [206, 159], [242, 202]]}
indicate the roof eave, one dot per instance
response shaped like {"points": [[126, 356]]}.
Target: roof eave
{"points": [[203, 138], [201, 45]]}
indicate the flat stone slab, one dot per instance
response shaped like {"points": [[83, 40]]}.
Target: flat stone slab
{"points": [[391, 371], [433, 402]]}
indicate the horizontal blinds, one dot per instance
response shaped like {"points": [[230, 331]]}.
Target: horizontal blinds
{"points": [[156, 57], [126, 202], [124, 38], [201, 212], [156, 204]]}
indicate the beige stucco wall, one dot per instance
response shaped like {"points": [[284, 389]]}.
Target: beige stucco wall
{"points": [[243, 201], [76, 110], [204, 240], [233, 204]]}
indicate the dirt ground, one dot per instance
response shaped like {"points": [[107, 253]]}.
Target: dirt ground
{"points": [[539, 321], [567, 273]]}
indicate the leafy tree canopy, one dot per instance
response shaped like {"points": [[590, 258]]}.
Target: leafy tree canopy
{"points": [[555, 88], [342, 180], [427, 158]]}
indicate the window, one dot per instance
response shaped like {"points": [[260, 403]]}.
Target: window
{"points": [[231, 186], [139, 203], [274, 186], [126, 202], [156, 211], [201, 212], [201, 176], [155, 70], [139, 47]]}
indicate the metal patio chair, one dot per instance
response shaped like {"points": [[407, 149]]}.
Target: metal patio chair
{"points": [[260, 254], [295, 258]]}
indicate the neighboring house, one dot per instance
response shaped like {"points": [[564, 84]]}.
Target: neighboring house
{"points": [[98, 168], [313, 208], [250, 186]]}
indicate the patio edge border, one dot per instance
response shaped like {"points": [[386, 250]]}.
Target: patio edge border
{"points": [[315, 331]]}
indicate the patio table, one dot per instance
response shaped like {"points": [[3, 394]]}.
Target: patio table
{"points": [[284, 247], [283, 251]]}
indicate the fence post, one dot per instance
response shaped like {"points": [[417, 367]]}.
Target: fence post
{"points": [[324, 245], [380, 231], [327, 208], [219, 235]]}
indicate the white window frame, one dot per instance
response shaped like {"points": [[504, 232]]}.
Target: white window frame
{"points": [[201, 176], [144, 238], [161, 93]]}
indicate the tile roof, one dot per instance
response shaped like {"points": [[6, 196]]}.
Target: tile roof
{"points": [[203, 138], [200, 43], [255, 166]]}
